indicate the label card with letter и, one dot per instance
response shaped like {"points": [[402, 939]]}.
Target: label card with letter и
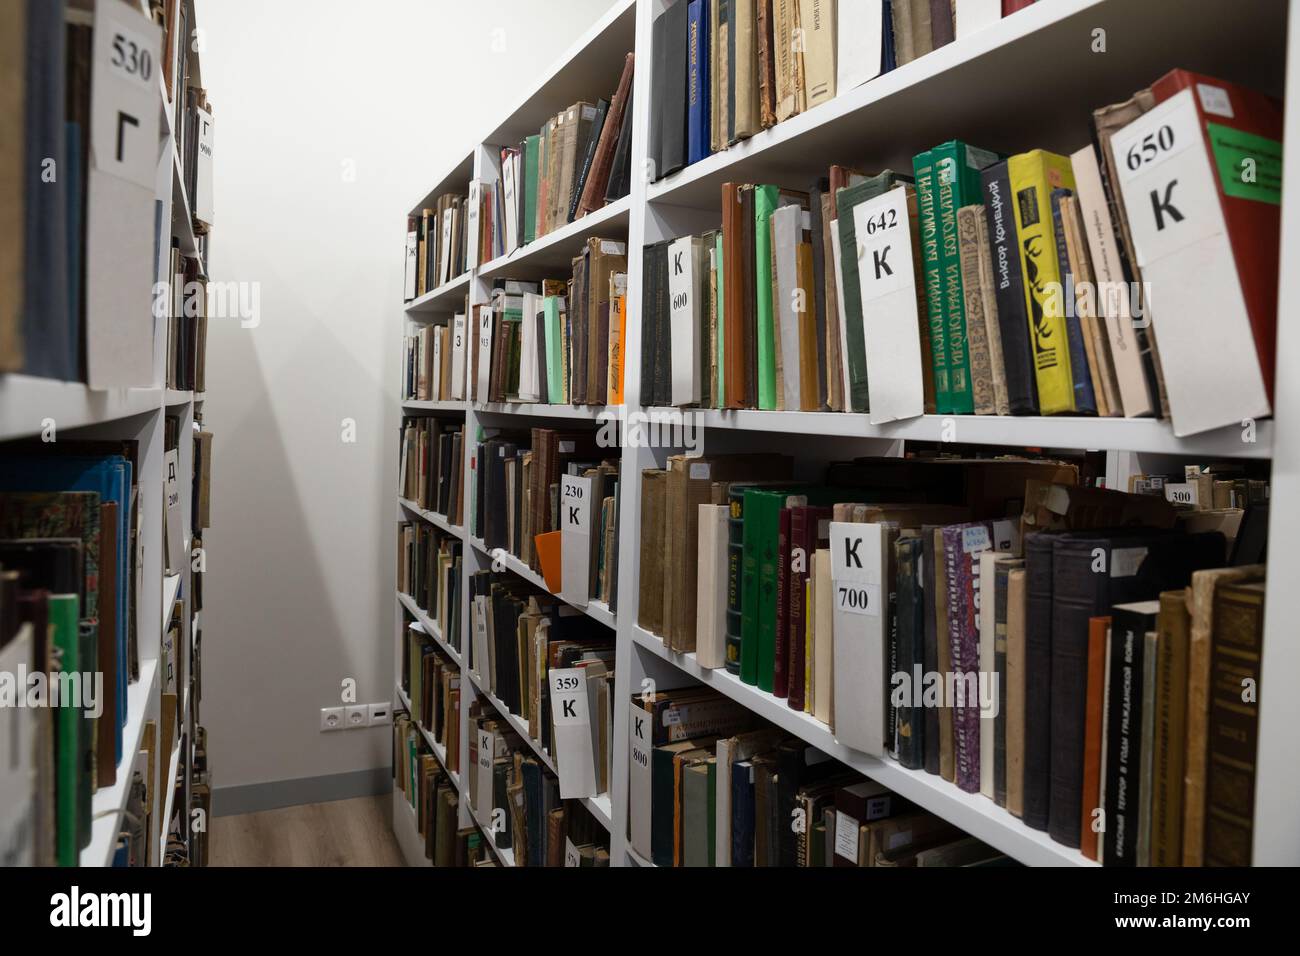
{"points": [[575, 539], [126, 99], [573, 746]]}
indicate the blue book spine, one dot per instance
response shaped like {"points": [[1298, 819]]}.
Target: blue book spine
{"points": [[742, 814], [699, 127], [1085, 400], [887, 61]]}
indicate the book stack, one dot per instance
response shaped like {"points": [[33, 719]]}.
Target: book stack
{"points": [[434, 362], [521, 633], [517, 800], [726, 69], [977, 283], [187, 323], [431, 466], [560, 341], [429, 572], [858, 601], [69, 583], [579, 161], [436, 245], [431, 681], [711, 785], [434, 799]]}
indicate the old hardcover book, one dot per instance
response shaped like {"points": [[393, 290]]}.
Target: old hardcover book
{"points": [[1096, 343], [672, 107], [746, 118], [981, 354], [766, 63], [1129, 626], [1174, 624], [650, 610], [1233, 731], [1015, 722], [597, 184], [711, 603], [818, 20], [1009, 286], [789, 41], [1078, 344], [733, 303]]}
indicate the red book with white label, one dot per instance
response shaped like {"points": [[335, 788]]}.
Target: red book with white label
{"points": [[1201, 178]]}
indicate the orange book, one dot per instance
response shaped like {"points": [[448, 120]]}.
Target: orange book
{"points": [[1098, 637], [548, 556]]}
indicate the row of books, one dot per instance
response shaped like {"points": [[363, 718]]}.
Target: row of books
{"points": [[434, 799], [431, 466], [438, 244], [711, 785], [1035, 284], [579, 161], [517, 800], [70, 577], [519, 481], [520, 634], [187, 323], [855, 612], [429, 572], [432, 684], [433, 362], [558, 342], [727, 69]]}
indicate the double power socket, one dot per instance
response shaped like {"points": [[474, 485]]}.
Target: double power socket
{"points": [[355, 716]]}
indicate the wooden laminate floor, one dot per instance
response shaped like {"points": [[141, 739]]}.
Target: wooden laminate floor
{"points": [[342, 833]]}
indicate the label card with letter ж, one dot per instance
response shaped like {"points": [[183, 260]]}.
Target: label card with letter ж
{"points": [[858, 625], [575, 539], [573, 757]]}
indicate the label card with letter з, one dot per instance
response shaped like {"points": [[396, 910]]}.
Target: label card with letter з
{"points": [[573, 757], [575, 539], [858, 624]]}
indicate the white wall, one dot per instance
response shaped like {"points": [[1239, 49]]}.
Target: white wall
{"points": [[299, 587]]}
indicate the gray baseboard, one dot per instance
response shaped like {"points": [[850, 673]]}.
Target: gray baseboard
{"points": [[250, 798]]}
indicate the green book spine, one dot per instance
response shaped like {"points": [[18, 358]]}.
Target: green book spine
{"points": [[722, 328], [765, 199], [769, 515], [662, 817], [554, 371], [749, 590], [923, 166], [64, 610], [532, 154], [947, 161], [713, 813]]}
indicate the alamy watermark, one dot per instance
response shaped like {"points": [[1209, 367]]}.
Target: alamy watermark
{"points": [[36, 689], [653, 428], [215, 300]]}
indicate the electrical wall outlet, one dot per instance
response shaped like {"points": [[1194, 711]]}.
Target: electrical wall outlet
{"points": [[331, 718], [357, 716], [381, 714]]}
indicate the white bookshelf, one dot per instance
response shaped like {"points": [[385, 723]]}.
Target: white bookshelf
{"points": [[29, 406], [975, 88]]}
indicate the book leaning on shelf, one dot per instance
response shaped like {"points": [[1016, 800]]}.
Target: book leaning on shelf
{"points": [[724, 70], [516, 799], [520, 634], [557, 342], [578, 162], [431, 466], [429, 573], [712, 785], [858, 601], [980, 283]]}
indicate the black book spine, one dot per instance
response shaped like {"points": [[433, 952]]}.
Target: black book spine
{"points": [[1013, 319], [649, 344], [658, 89], [1079, 592], [1123, 781], [1000, 582], [663, 333], [930, 650], [620, 179], [819, 289], [1038, 669], [672, 106], [911, 623], [597, 126]]}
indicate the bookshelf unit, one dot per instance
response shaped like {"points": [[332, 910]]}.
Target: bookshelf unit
{"points": [[959, 90], [28, 405]]}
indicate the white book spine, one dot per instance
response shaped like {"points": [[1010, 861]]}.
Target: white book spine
{"points": [[890, 324], [1195, 302], [838, 258], [974, 15], [786, 232], [859, 40], [710, 604]]}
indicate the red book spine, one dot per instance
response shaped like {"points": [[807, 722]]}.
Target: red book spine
{"points": [[1098, 629], [781, 670], [797, 565], [1011, 6], [1253, 225]]}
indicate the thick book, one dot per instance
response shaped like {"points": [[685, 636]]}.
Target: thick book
{"points": [[1009, 285], [671, 107], [588, 157], [1129, 626], [698, 81]]}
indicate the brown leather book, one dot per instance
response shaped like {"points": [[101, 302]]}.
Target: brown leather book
{"points": [[834, 358], [593, 193], [1204, 585], [1174, 624], [745, 23], [789, 38], [1098, 633], [1016, 692], [106, 725], [654, 498], [555, 837], [809, 400], [604, 258], [748, 298], [1233, 735], [733, 306], [766, 64]]}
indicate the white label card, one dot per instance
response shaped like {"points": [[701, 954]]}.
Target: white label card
{"points": [[855, 570], [1185, 493], [884, 245], [483, 798], [846, 836], [202, 197], [175, 525], [571, 856], [126, 100], [575, 539], [638, 735], [484, 355], [573, 757]]}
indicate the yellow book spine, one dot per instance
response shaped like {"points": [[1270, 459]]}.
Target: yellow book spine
{"points": [[1033, 176], [618, 336]]}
